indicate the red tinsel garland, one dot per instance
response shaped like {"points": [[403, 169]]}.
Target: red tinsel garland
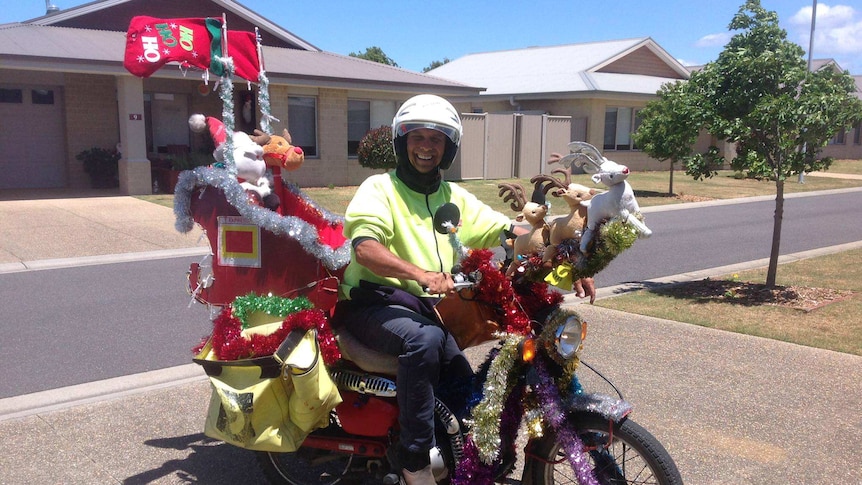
{"points": [[518, 303], [535, 295], [228, 343], [296, 206]]}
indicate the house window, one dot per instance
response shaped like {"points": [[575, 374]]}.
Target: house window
{"points": [[620, 123], [11, 96], [857, 134], [839, 138], [42, 96], [358, 123], [302, 123]]}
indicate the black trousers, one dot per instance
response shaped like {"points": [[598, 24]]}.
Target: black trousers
{"points": [[428, 357]]}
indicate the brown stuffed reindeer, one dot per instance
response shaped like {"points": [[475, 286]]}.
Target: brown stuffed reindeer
{"points": [[532, 212], [570, 226]]}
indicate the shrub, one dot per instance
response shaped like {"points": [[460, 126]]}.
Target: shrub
{"points": [[375, 149], [102, 166]]}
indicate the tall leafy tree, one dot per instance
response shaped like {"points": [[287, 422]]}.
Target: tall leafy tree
{"points": [[760, 95], [375, 54]]}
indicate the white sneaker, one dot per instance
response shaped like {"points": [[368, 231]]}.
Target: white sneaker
{"points": [[419, 477]]}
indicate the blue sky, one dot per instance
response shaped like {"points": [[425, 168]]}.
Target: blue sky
{"points": [[414, 34]]}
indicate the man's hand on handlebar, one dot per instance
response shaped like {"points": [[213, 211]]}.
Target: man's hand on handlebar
{"points": [[437, 283]]}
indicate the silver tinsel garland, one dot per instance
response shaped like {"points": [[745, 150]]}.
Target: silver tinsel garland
{"points": [[226, 94], [263, 100], [609, 407], [288, 226]]}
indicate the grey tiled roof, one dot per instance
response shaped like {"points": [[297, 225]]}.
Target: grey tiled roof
{"points": [[29, 46]]}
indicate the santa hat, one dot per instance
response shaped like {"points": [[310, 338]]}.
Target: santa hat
{"points": [[199, 123]]}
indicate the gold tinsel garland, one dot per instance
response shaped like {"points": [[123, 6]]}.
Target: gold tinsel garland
{"points": [[497, 387]]}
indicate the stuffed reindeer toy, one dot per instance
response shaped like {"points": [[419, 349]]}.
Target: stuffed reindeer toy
{"points": [[571, 225], [534, 213], [618, 201]]}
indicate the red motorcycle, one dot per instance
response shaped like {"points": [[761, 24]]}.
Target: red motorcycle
{"points": [[527, 382]]}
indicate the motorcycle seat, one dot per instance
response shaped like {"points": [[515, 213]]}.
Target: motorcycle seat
{"points": [[368, 359]]}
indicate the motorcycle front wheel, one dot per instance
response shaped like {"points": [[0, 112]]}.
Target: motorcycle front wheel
{"points": [[623, 454]]}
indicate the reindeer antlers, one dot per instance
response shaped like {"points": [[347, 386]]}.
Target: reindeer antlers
{"points": [[586, 156], [549, 182], [582, 154], [515, 193]]}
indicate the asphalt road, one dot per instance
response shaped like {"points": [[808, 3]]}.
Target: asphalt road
{"points": [[74, 325], [691, 239]]}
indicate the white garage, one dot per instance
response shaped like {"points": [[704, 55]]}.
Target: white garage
{"points": [[32, 136]]}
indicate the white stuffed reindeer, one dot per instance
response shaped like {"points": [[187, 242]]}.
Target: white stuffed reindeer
{"points": [[618, 201]]}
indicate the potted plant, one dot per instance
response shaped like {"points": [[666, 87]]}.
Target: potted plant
{"points": [[184, 161], [102, 165]]}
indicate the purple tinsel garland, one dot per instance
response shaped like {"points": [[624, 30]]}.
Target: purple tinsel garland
{"points": [[556, 417], [471, 470]]}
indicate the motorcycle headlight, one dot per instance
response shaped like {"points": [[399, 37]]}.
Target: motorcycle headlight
{"points": [[570, 336]]}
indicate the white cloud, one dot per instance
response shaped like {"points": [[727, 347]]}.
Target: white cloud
{"points": [[717, 40], [837, 33]]}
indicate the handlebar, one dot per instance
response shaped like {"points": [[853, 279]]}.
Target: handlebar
{"points": [[462, 280]]}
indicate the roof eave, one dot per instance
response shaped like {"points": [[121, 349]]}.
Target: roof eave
{"points": [[54, 64], [370, 85], [565, 95], [172, 71]]}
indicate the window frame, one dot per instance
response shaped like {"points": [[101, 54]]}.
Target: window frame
{"points": [[353, 144], [293, 123], [840, 138], [632, 122]]}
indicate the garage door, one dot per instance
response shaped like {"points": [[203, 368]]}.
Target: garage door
{"points": [[32, 142]]}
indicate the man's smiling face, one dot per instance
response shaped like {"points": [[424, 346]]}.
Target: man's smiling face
{"points": [[425, 148]]}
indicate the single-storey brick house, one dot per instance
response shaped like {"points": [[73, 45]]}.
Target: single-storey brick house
{"points": [[601, 85], [63, 89]]}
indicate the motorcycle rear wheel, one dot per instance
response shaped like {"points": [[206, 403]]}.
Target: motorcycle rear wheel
{"points": [[308, 466], [634, 456]]}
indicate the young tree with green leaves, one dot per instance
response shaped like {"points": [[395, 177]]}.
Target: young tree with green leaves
{"points": [[374, 54], [760, 95], [670, 125]]}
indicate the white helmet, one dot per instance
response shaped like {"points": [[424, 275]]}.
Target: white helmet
{"points": [[427, 111]]}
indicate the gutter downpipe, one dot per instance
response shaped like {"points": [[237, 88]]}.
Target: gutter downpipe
{"points": [[514, 104]]}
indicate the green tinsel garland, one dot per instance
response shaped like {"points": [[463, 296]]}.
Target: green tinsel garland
{"points": [[614, 237], [276, 306]]}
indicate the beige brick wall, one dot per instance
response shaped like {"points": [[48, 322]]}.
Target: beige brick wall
{"points": [[332, 165], [849, 150], [91, 120]]}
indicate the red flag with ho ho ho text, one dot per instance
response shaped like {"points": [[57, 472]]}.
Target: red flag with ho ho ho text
{"points": [[151, 43]]}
